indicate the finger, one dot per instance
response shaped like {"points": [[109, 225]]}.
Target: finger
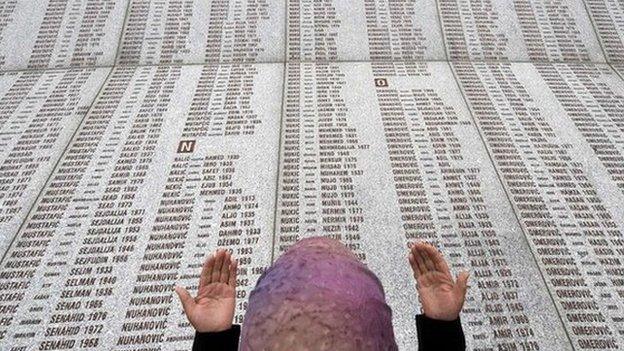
{"points": [[462, 282], [425, 252], [412, 262], [216, 271], [420, 264], [420, 259], [225, 268], [187, 300], [233, 267], [206, 273], [438, 260]]}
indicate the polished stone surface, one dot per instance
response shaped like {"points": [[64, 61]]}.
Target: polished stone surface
{"points": [[40, 113], [608, 20], [68, 33], [169, 163], [202, 31]]}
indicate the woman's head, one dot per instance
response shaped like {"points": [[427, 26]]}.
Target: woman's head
{"points": [[318, 296]]}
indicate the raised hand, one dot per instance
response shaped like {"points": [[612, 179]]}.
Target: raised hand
{"points": [[440, 295], [212, 310]]}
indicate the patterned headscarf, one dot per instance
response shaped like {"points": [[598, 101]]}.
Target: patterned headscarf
{"points": [[318, 296]]}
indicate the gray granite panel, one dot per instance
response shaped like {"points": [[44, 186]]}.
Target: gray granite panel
{"points": [[53, 33], [608, 19], [189, 31], [39, 112], [592, 97], [619, 69], [518, 30], [169, 164], [555, 134], [364, 30], [380, 155]]}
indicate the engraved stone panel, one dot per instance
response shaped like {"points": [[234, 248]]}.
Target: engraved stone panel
{"points": [[619, 69], [59, 33], [39, 112], [375, 30], [608, 19], [170, 163], [380, 155], [552, 130], [593, 98], [518, 30], [190, 31]]}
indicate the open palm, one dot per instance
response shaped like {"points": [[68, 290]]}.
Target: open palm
{"points": [[440, 295], [212, 310]]}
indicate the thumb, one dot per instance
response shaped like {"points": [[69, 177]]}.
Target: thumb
{"points": [[185, 297], [462, 282]]}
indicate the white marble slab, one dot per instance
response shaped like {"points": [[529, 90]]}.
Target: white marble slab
{"points": [[555, 135], [380, 155], [518, 30], [619, 69], [188, 31], [364, 30], [39, 113], [169, 164], [608, 19], [69, 33]]}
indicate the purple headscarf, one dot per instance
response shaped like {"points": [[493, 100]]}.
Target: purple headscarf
{"points": [[318, 296]]}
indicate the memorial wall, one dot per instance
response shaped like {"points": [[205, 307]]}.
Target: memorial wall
{"points": [[136, 137]]}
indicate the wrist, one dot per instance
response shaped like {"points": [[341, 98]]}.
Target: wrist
{"points": [[446, 317], [214, 329]]}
